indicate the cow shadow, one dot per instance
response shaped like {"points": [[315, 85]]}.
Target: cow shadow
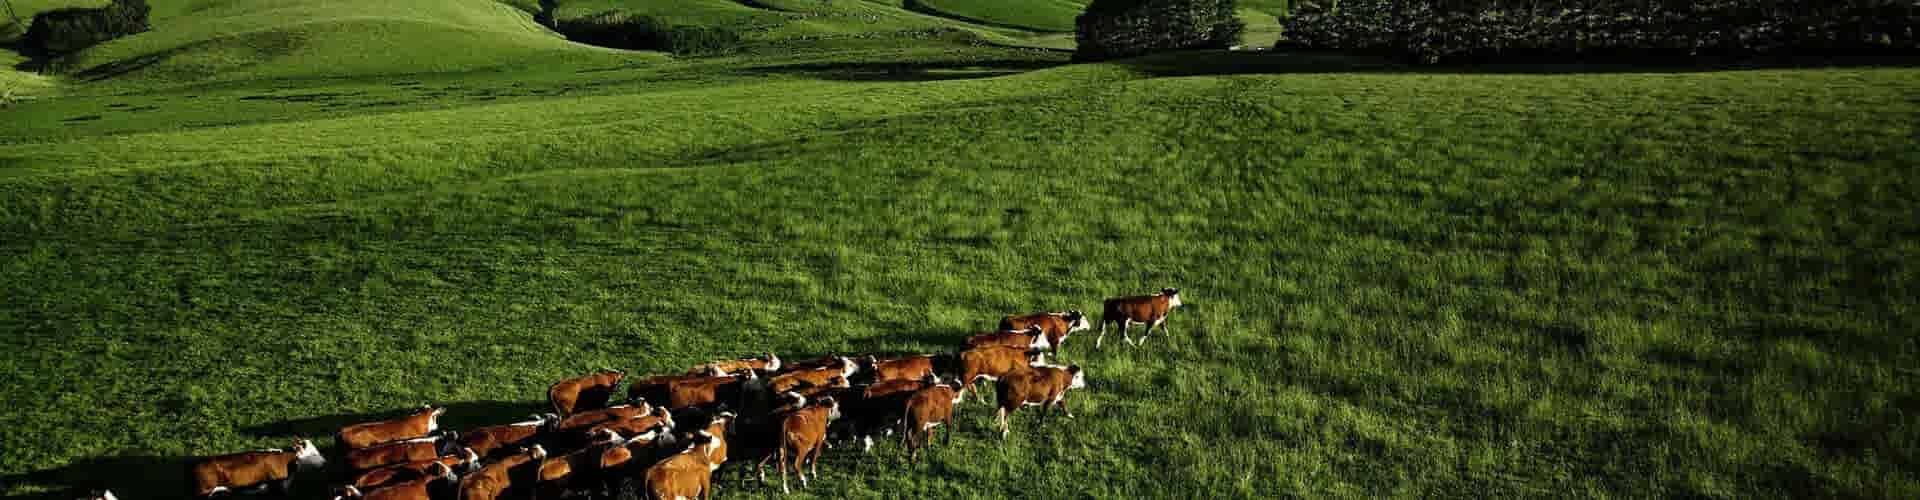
{"points": [[460, 415], [128, 476]]}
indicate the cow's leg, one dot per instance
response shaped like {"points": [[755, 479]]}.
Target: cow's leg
{"points": [[1000, 417], [1102, 338], [1125, 325], [1063, 406], [948, 439], [783, 471]]}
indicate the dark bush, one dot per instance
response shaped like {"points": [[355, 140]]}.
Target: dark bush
{"points": [[621, 30], [1112, 29], [65, 31], [1544, 30]]}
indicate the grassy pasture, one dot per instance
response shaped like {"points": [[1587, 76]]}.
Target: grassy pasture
{"points": [[1401, 283]]}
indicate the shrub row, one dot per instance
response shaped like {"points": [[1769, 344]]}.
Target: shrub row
{"points": [[1112, 29], [1469, 30], [621, 30], [65, 31]]}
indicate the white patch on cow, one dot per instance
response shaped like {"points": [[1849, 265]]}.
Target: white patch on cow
{"points": [[929, 425], [1040, 342], [681, 498], [1079, 380], [308, 450], [529, 423], [773, 362], [427, 439], [108, 495], [218, 490], [1079, 324], [1173, 301], [849, 367], [867, 443]]}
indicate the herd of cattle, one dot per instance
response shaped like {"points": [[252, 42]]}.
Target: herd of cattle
{"points": [[672, 432]]}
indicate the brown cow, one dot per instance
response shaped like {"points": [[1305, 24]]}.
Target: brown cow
{"points": [[255, 469], [638, 447], [654, 389], [907, 368], [771, 363], [878, 407], [419, 424], [1031, 338], [926, 409], [803, 434], [427, 448], [462, 463], [1057, 325], [488, 440], [584, 393], [704, 391], [629, 427], [415, 489], [685, 475], [1045, 386], [844, 367], [557, 474], [588, 419], [990, 363], [1150, 310], [493, 480]]}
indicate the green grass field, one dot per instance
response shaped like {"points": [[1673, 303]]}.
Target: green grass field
{"points": [[1518, 282]]}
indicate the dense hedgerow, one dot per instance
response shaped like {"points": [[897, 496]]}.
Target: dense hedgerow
{"points": [[634, 32], [1457, 30], [64, 31], [1112, 29]]}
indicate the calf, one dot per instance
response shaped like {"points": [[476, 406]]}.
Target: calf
{"points": [[803, 434], [1045, 386], [495, 479], [843, 367], [1056, 325], [584, 393], [1150, 310], [427, 448], [462, 463], [1031, 338], [926, 409], [685, 475], [254, 469], [436, 476], [990, 363], [771, 363], [907, 368], [655, 388], [419, 424], [488, 440]]}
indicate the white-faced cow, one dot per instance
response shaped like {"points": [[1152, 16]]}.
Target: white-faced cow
{"points": [[1056, 325], [685, 475], [630, 427], [1150, 310], [990, 363], [903, 368], [255, 470], [656, 388], [584, 393], [437, 477], [1043, 386], [421, 423], [770, 363], [461, 463], [1031, 338], [843, 367]]}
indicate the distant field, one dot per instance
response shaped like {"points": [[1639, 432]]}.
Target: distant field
{"points": [[1524, 282]]}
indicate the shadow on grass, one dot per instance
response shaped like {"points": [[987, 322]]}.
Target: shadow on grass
{"points": [[904, 71], [462, 415], [1206, 63], [129, 477]]}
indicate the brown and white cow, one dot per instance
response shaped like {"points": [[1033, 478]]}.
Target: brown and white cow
{"points": [[904, 368], [584, 393], [559, 474], [1044, 386], [1150, 310], [878, 407], [771, 363], [702, 392], [1031, 338], [261, 469], [635, 451], [1056, 325], [489, 440], [990, 363], [685, 475], [629, 427], [496, 479], [802, 435], [927, 409], [417, 449], [420, 424], [461, 463], [436, 475], [843, 367]]}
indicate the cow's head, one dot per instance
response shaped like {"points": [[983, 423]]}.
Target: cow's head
{"points": [[347, 493], [548, 421], [469, 461], [636, 400], [1077, 321], [433, 414], [537, 453], [715, 371], [872, 362], [1079, 377], [700, 442], [931, 379], [612, 376], [833, 407], [1173, 297], [448, 444], [773, 362], [795, 398], [306, 455], [848, 367], [665, 416]]}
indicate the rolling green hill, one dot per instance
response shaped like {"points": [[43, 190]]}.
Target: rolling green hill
{"points": [[1594, 282]]}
